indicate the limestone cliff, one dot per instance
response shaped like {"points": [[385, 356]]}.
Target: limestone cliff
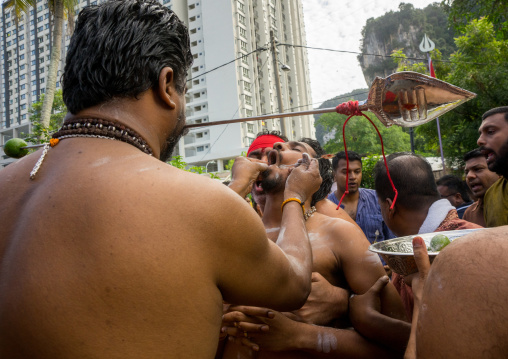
{"points": [[402, 29]]}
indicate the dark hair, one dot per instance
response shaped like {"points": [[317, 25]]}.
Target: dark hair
{"points": [[274, 133], [455, 184], [413, 178], [119, 48], [496, 110], [324, 171], [473, 154], [352, 155]]}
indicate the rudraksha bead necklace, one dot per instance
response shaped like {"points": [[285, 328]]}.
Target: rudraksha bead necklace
{"points": [[94, 128], [91, 127]]}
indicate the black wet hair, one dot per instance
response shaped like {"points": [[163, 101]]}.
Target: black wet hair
{"points": [[324, 171], [118, 50], [413, 178], [352, 155], [456, 185], [496, 110], [274, 133], [473, 154]]}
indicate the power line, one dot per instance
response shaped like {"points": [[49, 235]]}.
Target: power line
{"points": [[230, 62], [379, 55], [238, 109]]}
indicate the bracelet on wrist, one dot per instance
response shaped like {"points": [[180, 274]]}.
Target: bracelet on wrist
{"points": [[293, 199]]}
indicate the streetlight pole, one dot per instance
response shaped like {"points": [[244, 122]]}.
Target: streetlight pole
{"points": [[277, 82], [206, 166]]}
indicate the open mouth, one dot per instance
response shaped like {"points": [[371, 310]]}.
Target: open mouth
{"points": [[258, 187], [489, 155]]}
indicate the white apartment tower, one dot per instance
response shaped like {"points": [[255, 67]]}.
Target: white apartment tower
{"points": [[224, 30], [219, 88]]}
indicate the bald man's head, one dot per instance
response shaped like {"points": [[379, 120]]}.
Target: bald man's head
{"points": [[413, 178]]}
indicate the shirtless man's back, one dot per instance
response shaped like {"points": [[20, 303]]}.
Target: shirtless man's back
{"points": [[111, 253]]}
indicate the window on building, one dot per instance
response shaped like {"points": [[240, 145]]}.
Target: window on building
{"points": [[245, 72], [200, 148], [243, 45], [241, 19], [248, 100]]}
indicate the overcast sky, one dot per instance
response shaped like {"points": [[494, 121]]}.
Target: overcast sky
{"points": [[337, 24]]}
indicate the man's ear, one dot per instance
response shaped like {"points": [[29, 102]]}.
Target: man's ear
{"points": [[166, 89], [391, 211]]}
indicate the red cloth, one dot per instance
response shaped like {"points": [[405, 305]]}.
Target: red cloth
{"points": [[264, 141], [452, 222]]}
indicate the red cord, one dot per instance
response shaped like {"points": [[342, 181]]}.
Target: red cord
{"points": [[351, 108]]}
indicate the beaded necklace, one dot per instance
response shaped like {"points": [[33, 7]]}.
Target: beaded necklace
{"points": [[94, 128], [309, 213]]}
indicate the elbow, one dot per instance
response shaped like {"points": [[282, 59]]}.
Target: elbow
{"points": [[296, 297]]}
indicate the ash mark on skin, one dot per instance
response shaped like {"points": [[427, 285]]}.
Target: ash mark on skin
{"points": [[326, 342], [371, 257], [101, 162]]}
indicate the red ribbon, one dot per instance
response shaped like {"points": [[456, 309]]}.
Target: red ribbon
{"points": [[351, 109]]}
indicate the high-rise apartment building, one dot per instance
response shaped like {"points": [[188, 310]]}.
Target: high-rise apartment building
{"points": [[219, 88]]}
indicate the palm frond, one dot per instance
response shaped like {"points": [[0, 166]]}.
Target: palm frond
{"points": [[19, 6]]}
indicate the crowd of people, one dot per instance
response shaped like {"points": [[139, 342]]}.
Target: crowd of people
{"points": [[108, 252]]}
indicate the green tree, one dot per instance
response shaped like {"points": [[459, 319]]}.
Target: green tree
{"points": [[178, 162], [60, 9], [462, 12], [480, 65], [404, 64], [41, 133], [368, 164], [361, 136]]}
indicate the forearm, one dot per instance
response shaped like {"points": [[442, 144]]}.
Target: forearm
{"points": [[325, 342], [384, 330], [411, 345], [294, 241], [240, 187]]}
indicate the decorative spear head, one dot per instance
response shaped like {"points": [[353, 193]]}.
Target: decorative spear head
{"points": [[410, 99]]}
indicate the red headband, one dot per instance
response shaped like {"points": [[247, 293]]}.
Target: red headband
{"points": [[264, 141]]}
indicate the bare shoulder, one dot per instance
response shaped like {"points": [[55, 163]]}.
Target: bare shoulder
{"points": [[190, 192], [328, 208], [342, 230], [464, 307]]}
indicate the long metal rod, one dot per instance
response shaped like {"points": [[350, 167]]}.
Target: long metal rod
{"points": [[245, 119], [263, 117], [254, 118]]}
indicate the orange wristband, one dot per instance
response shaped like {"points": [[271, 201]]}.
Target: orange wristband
{"points": [[290, 200]]}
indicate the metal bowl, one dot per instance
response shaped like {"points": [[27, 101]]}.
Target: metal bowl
{"points": [[398, 252]]}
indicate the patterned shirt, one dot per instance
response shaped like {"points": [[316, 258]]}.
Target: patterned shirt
{"points": [[368, 216]]}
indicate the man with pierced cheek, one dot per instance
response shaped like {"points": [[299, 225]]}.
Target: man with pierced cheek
{"points": [[340, 258], [258, 150]]}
